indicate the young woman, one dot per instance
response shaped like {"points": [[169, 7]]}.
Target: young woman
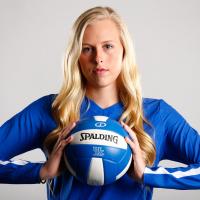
{"points": [[101, 78]]}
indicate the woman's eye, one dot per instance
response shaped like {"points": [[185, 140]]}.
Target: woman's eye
{"points": [[109, 46], [86, 49]]}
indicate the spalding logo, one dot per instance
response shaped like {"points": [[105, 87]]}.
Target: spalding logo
{"points": [[89, 136], [100, 124]]}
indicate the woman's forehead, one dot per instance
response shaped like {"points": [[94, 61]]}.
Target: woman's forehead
{"points": [[101, 30]]}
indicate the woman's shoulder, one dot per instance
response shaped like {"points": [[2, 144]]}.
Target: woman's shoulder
{"points": [[47, 99], [40, 111], [39, 107], [154, 103], [153, 106], [149, 100], [43, 102]]}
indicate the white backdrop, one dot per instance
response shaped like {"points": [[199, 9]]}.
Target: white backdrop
{"points": [[33, 37]]}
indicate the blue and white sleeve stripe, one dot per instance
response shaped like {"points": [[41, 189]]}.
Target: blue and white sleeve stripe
{"points": [[19, 172], [175, 140], [184, 178], [24, 132]]}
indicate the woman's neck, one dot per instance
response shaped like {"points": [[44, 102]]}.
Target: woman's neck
{"points": [[104, 97]]}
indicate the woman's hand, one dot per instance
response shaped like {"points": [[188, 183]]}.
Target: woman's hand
{"points": [[137, 167], [52, 166]]}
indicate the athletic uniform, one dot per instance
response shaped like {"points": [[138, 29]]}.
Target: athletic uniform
{"points": [[174, 139]]}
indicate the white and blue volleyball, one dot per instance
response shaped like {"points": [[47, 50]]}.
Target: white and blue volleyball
{"points": [[99, 154]]}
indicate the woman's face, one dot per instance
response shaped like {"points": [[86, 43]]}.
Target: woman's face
{"points": [[102, 53]]}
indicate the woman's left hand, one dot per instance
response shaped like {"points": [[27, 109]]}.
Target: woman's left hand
{"points": [[138, 165]]}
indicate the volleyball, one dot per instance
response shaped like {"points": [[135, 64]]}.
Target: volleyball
{"points": [[98, 154]]}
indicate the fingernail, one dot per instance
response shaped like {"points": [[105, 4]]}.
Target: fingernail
{"points": [[125, 137], [122, 123]]}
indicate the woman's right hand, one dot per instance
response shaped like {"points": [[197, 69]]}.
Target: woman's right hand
{"points": [[52, 166]]}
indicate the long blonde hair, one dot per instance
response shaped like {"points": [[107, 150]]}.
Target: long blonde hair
{"points": [[66, 106]]}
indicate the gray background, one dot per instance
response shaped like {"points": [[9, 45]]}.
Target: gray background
{"points": [[33, 37]]}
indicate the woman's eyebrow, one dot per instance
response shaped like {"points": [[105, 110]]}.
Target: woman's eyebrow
{"points": [[107, 41]]}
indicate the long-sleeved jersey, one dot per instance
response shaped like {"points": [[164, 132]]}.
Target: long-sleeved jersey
{"points": [[174, 140]]}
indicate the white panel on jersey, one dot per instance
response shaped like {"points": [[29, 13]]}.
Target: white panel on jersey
{"points": [[100, 118], [96, 172], [99, 137]]}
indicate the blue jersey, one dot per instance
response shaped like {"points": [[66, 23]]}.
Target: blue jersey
{"points": [[174, 139]]}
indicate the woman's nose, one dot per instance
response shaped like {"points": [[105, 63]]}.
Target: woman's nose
{"points": [[99, 56]]}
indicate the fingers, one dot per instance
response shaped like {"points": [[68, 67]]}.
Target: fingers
{"points": [[66, 130], [132, 141], [137, 168], [130, 131], [52, 166], [131, 144], [64, 142]]}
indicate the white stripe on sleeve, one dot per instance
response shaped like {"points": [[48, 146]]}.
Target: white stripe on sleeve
{"points": [[16, 162], [177, 174]]}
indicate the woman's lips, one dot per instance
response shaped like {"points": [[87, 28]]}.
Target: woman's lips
{"points": [[100, 71]]}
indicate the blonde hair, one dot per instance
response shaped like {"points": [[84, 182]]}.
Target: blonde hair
{"points": [[66, 106]]}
